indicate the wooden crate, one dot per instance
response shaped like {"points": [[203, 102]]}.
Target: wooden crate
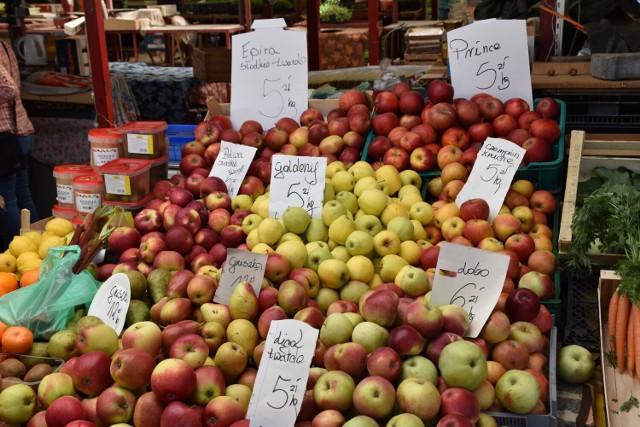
{"points": [[586, 152], [212, 64], [618, 388], [113, 24]]}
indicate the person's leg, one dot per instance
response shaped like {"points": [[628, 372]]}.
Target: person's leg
{"points": [[23, 191], [9, 215]]}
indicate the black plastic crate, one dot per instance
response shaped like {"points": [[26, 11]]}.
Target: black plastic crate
{"points": [[582, 324]]}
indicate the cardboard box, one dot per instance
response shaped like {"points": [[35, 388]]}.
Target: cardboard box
{"points": [[113, 24], [618, 388], [212, 64], [72, 56], [586, 152]]}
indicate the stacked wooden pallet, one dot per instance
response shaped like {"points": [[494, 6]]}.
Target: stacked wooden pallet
{"points": [[423, 45]]}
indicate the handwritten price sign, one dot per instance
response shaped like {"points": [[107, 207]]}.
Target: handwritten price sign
{"points": [[282, 377], [269, 74], [491, 56], [232, 164], [112, 301], [473, 281], [492, 173], [297, 181], [240, 266]]}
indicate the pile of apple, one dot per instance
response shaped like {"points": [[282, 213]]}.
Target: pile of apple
{"points": [[411, 131]]}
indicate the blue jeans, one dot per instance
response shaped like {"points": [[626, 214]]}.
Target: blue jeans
{"points": [[17, 195]]}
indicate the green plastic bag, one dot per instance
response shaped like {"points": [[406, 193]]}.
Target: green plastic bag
{"points": [[46, 306]]}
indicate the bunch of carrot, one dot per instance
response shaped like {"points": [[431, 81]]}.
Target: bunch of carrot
{"points": [[624, 329]]}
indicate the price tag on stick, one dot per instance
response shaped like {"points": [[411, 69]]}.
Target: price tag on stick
{"points": [[282, 376], [240, 266], [232, 164], [471, 278], [491, 56], [111, 302], [492, 173], [297, 181]]}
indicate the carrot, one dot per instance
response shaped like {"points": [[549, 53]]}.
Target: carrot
{"points": [[631, 339], [635, 312], [613, 312], [622, 319]]}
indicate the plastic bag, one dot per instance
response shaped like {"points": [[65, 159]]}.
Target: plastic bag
{"points": [[46, 306]]}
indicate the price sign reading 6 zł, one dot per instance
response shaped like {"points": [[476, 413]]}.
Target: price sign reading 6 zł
{"points": [[297, 181], [282, 377]]}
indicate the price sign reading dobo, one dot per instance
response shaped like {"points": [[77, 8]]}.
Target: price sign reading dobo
{"points": [[297, 181], [112, 301], [492, 173], [240, 266], [491, 56], [269, 74], [282, 376], [471, 278], [232, 164]]}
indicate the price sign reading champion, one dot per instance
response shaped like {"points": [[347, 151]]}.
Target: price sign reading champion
{"points": [[240, 266], [492, 173], [282, 376], [297, 181], [471, 278]]}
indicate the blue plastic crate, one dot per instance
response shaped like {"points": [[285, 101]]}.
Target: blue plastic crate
{"points": [[178, 136]]}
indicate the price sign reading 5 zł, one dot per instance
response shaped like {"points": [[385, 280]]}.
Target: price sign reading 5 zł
{"points": [[471, 278], [282, 377], [297, 181]]}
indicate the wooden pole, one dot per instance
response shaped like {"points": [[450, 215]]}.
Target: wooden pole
{"points": [[313, 34]]}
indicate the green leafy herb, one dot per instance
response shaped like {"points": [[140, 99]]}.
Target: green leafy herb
{"points": [[631, 403], [611, 359]]}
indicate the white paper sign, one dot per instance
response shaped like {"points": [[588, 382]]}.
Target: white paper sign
{"points": [[282, 376], [477, 284], [240, 266], [269, 74], [492, 173], [112, 301], [491, 56], [232, 164], [297, 181]]}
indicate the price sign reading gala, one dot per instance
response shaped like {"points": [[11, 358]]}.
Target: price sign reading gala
{"points": [[232, 164], [240, 266], [491, 56], [492, 173], [297, 181], [471, 278], [112, 301], [282, 376], [269, 74]]}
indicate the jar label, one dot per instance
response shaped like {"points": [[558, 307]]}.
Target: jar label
{"points": [[64, 193], [139, 144], [117, 184], [104, 155], [88, 202]]}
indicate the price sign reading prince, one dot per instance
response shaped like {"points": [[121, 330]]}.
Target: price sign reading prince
{"points": [[282, 376], [471, 278], [297, 181]]}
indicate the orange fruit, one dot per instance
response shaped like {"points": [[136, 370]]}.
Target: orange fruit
{"points": [[17, 339], [3, 327], [8, 282], [29, 277]]}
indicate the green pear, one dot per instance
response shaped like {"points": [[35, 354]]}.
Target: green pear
{"points": [[296, 219], [244, 333], [138, 283], [62, 345], [243, 302], [85, 321], [158, 280], [138, 311]]}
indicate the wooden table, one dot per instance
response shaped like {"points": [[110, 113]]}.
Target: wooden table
{"points": [[572, 75]]}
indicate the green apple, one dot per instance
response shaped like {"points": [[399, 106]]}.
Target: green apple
{"points": [[361, 268], [333, 168], [518, 391], [261, 248], [355, 318], [359, 242], [17, 403], [241, 202], [419, 367], [575, 364], [419, 397], [390, 266], [353, 290], [386, 242], [340, 229], [334, 391], [317, 256], [361, 421], [360, 169], [331, 211], [251, 222], [343, 181], [316, 231], [340, 252], [405, 419], [421, 211], [462, 364], [336, 329], [364, 184], [402, 226], [369, 223], [329, 193], [333, 273], [389, 179], [413, 281], [411, 177], [296, 219], [370, 335], [294, 251], [270, 230], [326, 297], [348, 200], [372, 201]]}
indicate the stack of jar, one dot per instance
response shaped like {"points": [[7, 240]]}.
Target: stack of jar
{"points": [[126, 163]]}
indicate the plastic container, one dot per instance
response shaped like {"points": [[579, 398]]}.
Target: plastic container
{"points": [[159, 170], [145, 140], [88, 191], [64, 175], [106, 145], [126, 180], [178, 136], [131, 209], [60, 212]]}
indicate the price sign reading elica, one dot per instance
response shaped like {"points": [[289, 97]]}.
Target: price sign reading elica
{"points": [[282, 376], [269, 74], [297, 181], [112, 301], [471, 278], [240, 266], [491, 56], [232, 164], [492, 173]]}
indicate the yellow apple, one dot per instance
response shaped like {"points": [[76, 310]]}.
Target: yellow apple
{"points": [[270, 230], [333, 273], [329, 193], [402, 226], [389, 179], [419, 233], [360, 169], [410, 251], [410, 177], [524, 187], [413, 281], [409, 199], [364, 183], [340, 229], [386, 242], [353, 290], [333, 168], [341, 253], [360, 268], [326, 297], [331, 210], [393, 210], [343, 181], [241, 202], [359, 243], [390, 265], [448, 210], [421, 211], [372, 201], [294, 251], [348, 200], [262, 248], [316, 231]]}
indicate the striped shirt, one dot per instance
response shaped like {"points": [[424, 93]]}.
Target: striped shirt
{"points": [[10, 90]]}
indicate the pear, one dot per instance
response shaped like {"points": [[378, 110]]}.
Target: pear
{"points": [[85, 321], [138, 311], [158, 280], [243, 302], [138, 283], [38, 350], [244, 333], [62, 345]]}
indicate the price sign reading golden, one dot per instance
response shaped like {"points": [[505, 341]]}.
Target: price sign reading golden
{"points": [[282, 376], [297, 181]]}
